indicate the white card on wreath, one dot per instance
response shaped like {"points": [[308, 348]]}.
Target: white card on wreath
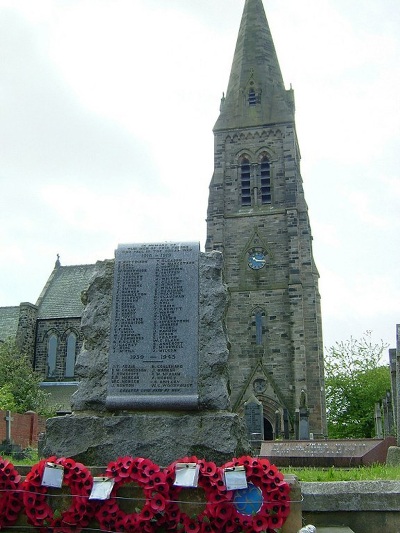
{"points": [[235, 478], [186, 474], [102, 487], [53, 475]]}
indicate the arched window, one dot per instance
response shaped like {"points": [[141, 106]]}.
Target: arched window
{"points": [[252, 97], [245, 181], [265, 180], [70, 359], [52, 355]]}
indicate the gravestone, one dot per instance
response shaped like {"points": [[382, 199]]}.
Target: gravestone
{"points": [[304, 415], [253, 415], [325, 453], [153, 367], [8, 418], [7, 447]]}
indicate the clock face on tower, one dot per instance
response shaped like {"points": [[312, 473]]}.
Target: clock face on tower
{"points": [[256, 260]]}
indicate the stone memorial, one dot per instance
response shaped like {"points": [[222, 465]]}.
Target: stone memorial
{"points": [[153, 367]]}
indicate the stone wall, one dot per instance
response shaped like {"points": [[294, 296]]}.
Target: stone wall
{"points": [[364, 506], [25, 428]]}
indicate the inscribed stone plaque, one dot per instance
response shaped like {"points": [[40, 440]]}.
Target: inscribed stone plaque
{"points": [[343, 453], [153, 362]]}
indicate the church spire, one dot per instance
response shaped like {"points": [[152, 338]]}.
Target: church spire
{"points": [[256, 93]]}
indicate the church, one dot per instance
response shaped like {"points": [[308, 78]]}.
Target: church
{"points": [[258, 218]]}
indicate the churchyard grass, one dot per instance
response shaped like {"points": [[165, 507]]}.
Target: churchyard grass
{"points": [[308, 474], [361, 473]]}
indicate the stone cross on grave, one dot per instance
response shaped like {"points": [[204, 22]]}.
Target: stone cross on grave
{"points": [[8, 418]]}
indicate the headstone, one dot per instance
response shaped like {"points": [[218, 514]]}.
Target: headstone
{"points": [[153, 359], [304, 414], [253, 415]]}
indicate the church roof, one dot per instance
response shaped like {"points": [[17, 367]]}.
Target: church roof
{"points": [[61, 296], [9, 317], [255, 67]]}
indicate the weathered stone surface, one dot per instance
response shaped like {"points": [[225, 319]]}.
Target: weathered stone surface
{"points": [[91, 364], [162, 437], [393, 456]]}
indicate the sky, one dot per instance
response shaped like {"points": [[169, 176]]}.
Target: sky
{"points": [[106, 116]]}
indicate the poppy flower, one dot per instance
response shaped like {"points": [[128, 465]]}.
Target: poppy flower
{"points": [[173, 511], [129, 523], [190, 525], [147, 469], [223, 511], [260, 523], [147, 512], [276, 521], [206, 527], [272, 471], [245, 460], [214, 495], [208, 468], [158, 503]]}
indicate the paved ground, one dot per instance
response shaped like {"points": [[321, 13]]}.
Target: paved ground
{"points": [[334, 530]]}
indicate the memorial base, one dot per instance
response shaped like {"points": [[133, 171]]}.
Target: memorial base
{"points": [[161, 437]]}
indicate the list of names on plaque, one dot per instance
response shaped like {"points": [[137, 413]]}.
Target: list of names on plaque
{"points": [[154, 326]]}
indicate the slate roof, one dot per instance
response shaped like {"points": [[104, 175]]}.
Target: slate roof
{"points": [[9, 317], [61, 297]]}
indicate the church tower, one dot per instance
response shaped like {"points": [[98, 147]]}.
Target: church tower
{"points": [[257, 216]]}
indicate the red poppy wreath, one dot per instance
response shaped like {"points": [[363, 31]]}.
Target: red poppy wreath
{"points": [[148, 476], [40, 514], [264, 505], [10, 501], [217, 508]]}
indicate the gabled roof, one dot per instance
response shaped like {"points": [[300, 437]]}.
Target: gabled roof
{"points": [[9, 317], [61, 296]]}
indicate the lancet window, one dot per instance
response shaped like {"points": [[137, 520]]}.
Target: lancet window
{"points": [[245, 182]]}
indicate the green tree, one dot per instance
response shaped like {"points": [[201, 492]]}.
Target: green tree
{"points": [[355, 380], [19, 385]]}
